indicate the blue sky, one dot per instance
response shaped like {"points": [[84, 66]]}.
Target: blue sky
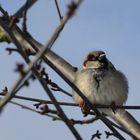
{"points": [[111, 26]]}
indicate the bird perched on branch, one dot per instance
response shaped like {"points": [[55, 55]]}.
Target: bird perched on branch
{"points": [[103, 84], [100, 82]]}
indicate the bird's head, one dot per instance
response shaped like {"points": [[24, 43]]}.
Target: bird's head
{"points": [[96, 60]]}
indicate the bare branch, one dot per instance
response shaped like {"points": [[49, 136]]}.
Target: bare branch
{"points": [[42, 51], [43, 83], [41, 100], [85, 121], [58, 9], [68, 76], [19, 13], [24, 26], [33, 110], [96, 135]]}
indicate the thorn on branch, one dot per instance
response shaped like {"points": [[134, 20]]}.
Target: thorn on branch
{"points": [[26, 83], [38, 65], [85, 121], [96, 135], [44, 75], [53, 85], [108, 134], [20, 69], [75, 69], [113, 107], [33, 77], [46, 78], [28, 52], [5, 90], [11, 50], [37, 105]]}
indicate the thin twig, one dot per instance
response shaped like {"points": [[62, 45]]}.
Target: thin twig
{"points": [[38, 56], [31, 64], [84, 98], [19, 13], [58, 88], [4, 12], [108, 134], [96, 135], [9, 96], [10, 50], [59, 109], [33, 110], [24, 26], [85, 121], [72, 9], [67, 103], [82, 94], [41, 100], [58, 9], [116, 107]]}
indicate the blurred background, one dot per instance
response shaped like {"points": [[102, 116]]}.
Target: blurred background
{"points": [[111, 26]]}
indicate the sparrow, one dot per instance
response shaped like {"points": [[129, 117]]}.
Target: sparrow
{"points": [[102, 83]]}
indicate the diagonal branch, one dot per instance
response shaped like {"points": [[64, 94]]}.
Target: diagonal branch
{"points": [[59, 109], [58, 9], [42, 51], [11, 94], [76, 89], [8, 97], [67, 71], [19, 13]]}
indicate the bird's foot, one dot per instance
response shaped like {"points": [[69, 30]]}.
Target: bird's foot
{"points": [[84, 108], [113, 107]]}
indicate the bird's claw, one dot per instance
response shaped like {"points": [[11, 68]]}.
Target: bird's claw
{"points": [[84, 108]]}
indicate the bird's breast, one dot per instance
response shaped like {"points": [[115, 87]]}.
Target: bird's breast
{"points": [[105, 89]]}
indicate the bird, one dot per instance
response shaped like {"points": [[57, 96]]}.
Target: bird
{"points": [[102, 83]]}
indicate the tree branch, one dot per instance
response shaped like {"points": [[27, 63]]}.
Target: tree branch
{"points": [[33, 110], [67, 73], [19, 13], [58, 9]]}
